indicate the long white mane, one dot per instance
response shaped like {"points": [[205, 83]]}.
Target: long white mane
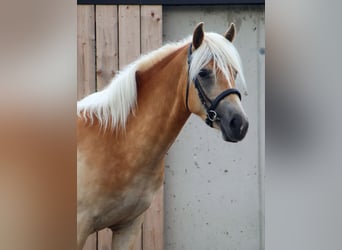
{"points": [[112, 105]]}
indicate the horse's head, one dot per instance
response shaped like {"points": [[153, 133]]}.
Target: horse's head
{"points": [[213, 67]]}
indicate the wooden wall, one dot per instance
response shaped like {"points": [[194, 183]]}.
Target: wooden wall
{"points": [[109, 37]]}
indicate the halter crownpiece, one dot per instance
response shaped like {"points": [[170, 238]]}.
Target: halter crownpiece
{"points": [[211, 113]]}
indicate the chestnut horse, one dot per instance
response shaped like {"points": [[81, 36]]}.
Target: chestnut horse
{"points": [[124, 131]]}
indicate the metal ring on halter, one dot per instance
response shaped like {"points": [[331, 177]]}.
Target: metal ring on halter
{"points": [[212, 115]]}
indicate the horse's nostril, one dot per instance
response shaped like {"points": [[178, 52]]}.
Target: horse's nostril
{"points": [[236, 122]]}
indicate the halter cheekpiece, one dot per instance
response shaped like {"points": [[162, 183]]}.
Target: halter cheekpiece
{"points": [[211, 113]]}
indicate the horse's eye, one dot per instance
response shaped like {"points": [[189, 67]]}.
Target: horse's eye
{"points": [[235, 74], [204, 73]]}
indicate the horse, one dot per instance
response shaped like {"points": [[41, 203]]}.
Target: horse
{"points": [[124, 131]]}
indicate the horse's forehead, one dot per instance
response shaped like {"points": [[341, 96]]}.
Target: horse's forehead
{"points": [[220, 76], [211, 64]]}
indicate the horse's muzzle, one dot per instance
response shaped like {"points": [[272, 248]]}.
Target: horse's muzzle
{"points": [[232, 122], [235, 129]]}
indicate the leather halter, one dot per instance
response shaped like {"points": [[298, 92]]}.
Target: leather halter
{"points": [[211, 110]]}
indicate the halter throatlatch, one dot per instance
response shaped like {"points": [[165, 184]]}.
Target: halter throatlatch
{"points": [[211, 113]]}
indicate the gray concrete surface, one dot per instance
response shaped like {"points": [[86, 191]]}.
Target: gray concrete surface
{"points": [[214, 189]]}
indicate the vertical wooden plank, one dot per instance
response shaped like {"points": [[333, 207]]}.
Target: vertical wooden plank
{"points": [[129, 34], [106, 67], [151, 27], [106, 44], [86, 67], [151, 39], [129, 46], [85, 50], [153, 227]]}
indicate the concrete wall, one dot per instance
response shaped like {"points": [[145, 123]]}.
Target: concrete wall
{"points": [[214, 189]]}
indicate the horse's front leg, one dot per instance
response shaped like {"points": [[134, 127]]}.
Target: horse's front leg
{"points": [[126, 238], [83, 230]]}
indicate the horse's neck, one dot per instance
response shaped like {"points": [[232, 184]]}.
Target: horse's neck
{"points": [[161, 110]]}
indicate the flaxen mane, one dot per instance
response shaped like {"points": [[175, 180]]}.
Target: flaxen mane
{"points": [[112, 105]]}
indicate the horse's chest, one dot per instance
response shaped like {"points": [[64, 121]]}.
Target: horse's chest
{"points": [[115, 199], [114, 190], [120, 208]]}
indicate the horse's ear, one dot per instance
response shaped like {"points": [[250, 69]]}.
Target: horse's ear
{"points": [[230, 33], [198, 36]]}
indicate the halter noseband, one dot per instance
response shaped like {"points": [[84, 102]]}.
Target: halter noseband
{"points": [[211, 113]]}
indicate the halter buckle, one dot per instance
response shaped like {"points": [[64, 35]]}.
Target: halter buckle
{"points": [[212, 115]]}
